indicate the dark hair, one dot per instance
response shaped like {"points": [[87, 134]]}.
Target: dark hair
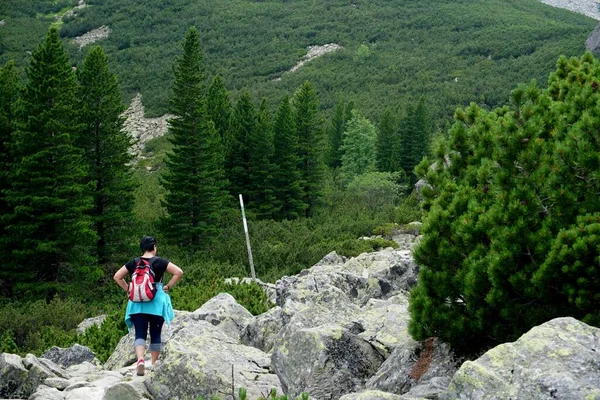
{"points": [[147, 243]]}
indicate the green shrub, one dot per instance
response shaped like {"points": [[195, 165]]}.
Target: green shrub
{"points": [[104, 339]]}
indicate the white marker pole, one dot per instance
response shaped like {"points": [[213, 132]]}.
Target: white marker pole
{"points": [[247, 238]]}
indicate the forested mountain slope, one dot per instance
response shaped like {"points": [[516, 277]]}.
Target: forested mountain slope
{"points": [[453, 52]]}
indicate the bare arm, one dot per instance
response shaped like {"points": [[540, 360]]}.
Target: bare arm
{"points": [[120, 277], [176, 272]]}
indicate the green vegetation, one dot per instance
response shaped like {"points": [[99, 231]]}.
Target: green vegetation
{"points": [[195, 178], [452, 52], [511, 218]]}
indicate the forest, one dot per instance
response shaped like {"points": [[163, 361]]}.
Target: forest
{"points": [[394, 51], [324, 156]]}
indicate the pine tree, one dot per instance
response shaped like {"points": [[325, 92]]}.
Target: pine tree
{"points": [[335, 132], [219, 108], [287, 178], [511, 215], [260, 149], [359, 148], [311, 144], [50, 228], [195, 176], [106, 147], [414, 135], [243, 123], [386, 139], [9, 94]]}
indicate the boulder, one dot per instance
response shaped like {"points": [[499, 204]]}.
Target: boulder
{"points": [[370, 275], [73, 355], [262, 330], [385, 324], [202, 360], [13, 375], [416, 364], [326, 362], [223, 311], [559, 359], [371, 395], [89, 322]]}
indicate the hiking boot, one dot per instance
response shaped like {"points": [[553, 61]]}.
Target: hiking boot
{"points": [[141, 367]]}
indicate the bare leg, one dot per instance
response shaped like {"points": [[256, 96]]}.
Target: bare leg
{"points": [[155, 355], [140, 352]]}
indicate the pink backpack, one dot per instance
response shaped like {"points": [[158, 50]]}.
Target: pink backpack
{"points": [[142, 287]]}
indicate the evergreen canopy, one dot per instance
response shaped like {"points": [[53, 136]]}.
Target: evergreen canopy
{"points": [[511, 215]]}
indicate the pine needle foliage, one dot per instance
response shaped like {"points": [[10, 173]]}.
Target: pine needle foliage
{"points": [[194, 179], [49, 200], [287, 178], [511, 216], [107, 155], [311, 145]]}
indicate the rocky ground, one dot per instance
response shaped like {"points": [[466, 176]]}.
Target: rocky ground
{"points": [[585, 7], [338, 331]]}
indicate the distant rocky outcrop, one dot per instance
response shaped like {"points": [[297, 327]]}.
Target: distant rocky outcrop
{"points": [[143, 129], [585, 7], [312, 53], [593, 41], [339, 331], [92, 36]]}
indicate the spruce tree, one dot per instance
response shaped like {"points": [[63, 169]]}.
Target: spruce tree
{"points": [[195, 177], [219, 108], [9, 94], [50, 227], [335, 132], [414, 135], [106, 147], [260, 148], [287, 177], [311, 145], [359, 148], [386, 138], [243, 124]]}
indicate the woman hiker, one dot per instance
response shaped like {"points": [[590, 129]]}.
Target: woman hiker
{"points": [[142, 313]]}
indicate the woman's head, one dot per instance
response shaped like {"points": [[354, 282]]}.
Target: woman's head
{"points": [[147, 243]]}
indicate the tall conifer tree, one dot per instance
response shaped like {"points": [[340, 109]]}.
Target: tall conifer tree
{"points": [[9, 93], [195, 176], [219, 108], [50, 227], [287, 178], [260, 148], [106, 147], [386, 137], [311, 144], [243, 123]]}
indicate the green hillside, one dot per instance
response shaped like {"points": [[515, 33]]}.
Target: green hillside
{"points": [[453, 52]]}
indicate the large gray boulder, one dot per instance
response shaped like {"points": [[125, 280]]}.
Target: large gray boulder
{"points": [[89, 322], [559, 359], [202, 360], [223, 311], [416, 364], [369, 275], [262, 330], [73, 355], [371, 395], [13, 375], [326, 362]]}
